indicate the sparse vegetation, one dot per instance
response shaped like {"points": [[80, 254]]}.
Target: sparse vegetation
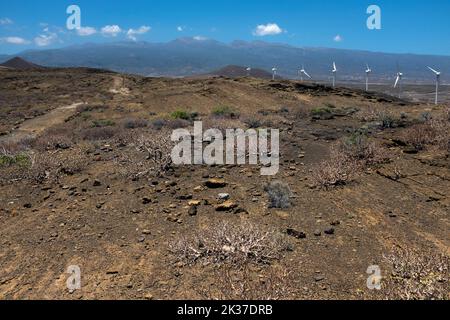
{"points": [[279, 194], [275, 283]]}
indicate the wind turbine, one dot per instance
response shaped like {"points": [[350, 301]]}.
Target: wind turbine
{"points": [[274, 73], [248, 71], [398, 82], [334, 71], [303, 72], [438, 78], [368, 72]]}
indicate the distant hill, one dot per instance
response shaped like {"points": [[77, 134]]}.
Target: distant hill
{"points": [[190, 57], [20, 64], [239, 71]]}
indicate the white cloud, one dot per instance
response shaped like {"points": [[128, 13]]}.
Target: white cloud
{"points": [[200, 38], [86, 31], [44, 40], [111, 30], [338, 38], [14, 40], [269, 29], [132, 33], [180, 29], [5, 21]]}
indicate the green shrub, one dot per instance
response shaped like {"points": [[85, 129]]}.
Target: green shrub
{"points": [[180, 114], [21, 160], [323, 113], [103, 123], [224, 111], [388, 120]]}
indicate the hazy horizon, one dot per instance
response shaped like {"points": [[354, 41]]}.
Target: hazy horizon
{"points": [[415, 27], [229, 43]]}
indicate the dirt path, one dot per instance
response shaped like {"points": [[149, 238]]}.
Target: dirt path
{"points": [[35, 126], [118, 86]]}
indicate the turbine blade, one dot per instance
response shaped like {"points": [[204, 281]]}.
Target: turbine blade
{"points": [[396, 81], [436, 72], [306, 73]]}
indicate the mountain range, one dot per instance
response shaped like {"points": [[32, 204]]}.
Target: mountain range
{"points": [[190, 57]]}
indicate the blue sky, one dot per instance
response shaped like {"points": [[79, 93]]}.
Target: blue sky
{"points": [[408, 26]]}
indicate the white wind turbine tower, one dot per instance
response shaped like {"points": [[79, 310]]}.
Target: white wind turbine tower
{"points": [[274, 73], [438, 77], [303, 72], [334, 71], [368, 71], [248, 71], [398, 82]]}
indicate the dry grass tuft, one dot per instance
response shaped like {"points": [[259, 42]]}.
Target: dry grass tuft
{"points": [[416, 276], [149, 154]]}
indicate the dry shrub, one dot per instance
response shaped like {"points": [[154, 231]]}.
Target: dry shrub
{"points": [[302, 112], [252, 122], [14, 147], [91, 108], [336, 171], [275, 283], [279, 194], [233, 244], [367, 115], [177, 124], [45, 166], [446, 114], [158, 124], [359, 148], [53, 139], [135, 123], [221, 124], [98, 133], [417, 276], [431, 133], [150, 155], [348, 157]]}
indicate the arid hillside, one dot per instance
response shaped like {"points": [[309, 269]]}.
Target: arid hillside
{"points": [[86, 179]]}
